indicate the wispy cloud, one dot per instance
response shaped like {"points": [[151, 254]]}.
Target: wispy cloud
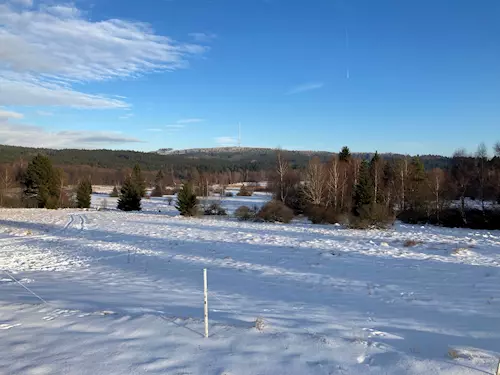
{"points": [[34, 72], [126, 116], [44, 113], [305, 87], [203, 37], [190, 120], [226, 141], [5, 115], [26, 3], [175, 126], [29, 136], [154, 130]]}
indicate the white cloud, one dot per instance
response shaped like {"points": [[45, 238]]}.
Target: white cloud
{"points": [[203, 37], [154, 130], [127, 116], [190, 120], [26, 91], [45, 50], [305, 87], [35, 136], [5, 115], [44, 113], [175, 126], [226, 141], [26, 3]]}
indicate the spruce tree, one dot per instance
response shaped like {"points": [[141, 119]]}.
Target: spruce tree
{"points": [[83, 193], [158, 189], [114, 192], [186, 200], [138, 180], [345, 154], [130, 196], [363, 190], [41, 182]]}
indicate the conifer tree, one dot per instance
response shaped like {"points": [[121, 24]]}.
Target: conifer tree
{"points": [[130, 196], [83, 193], [114, 192], [158, 189], [345, 154], [186, 200], [41, 182], [138, 180], [363, 190]]}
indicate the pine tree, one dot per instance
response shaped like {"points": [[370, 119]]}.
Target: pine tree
{"points": [[138, 180], [41, 182], [114, 192], [363, 190], [83, 193], [345, 154], [130, 196], [158, 189], [186, 200]]}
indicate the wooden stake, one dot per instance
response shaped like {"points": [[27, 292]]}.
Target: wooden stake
{"points": [[498, 369], [205, 292]]}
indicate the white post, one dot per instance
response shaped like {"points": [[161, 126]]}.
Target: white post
{"points": [[498, 369], [205, 292]]}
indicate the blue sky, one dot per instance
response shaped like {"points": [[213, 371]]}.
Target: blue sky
{"points": [[412, 77]]}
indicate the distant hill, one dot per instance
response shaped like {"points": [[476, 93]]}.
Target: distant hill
{"points": [[205, 159]]}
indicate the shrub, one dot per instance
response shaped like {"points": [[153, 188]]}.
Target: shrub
{"points": [[186, 201], [114, 193], [371, 216], [229, 194], [245, 192], [452, 218], [322, 215], [245, 213], [215, 209], [275, 211], [411, 243], [169, 191], [14, 201], [104, 204]]}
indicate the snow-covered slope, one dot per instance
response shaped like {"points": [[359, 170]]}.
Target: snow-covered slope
{"points": [[121, 293]]}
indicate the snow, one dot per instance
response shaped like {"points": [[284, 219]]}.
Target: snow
{"points": [[123, 295]]}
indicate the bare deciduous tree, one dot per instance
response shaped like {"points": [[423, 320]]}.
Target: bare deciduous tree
{"points": [[314, 187], [481, 170], [436, 183], [6, 181], [462, 172], [333, 182], [282, 167]]}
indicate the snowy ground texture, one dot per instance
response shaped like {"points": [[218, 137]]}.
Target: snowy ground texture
{"points": [[121, 293]]}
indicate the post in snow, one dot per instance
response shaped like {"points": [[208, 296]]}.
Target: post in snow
{"points": [[498, 369], [205, 292]]}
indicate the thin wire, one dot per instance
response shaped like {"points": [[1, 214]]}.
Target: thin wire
{"points": [[25, 287]]}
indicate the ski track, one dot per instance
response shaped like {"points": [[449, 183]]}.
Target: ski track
{"points": [[123, 294]]}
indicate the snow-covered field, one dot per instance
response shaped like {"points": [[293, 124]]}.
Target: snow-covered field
{"points": [[121, 293]]}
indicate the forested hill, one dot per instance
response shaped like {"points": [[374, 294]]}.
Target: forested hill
{"points": [[210, 160]]}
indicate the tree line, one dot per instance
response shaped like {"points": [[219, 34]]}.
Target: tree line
{"points": [[373, 192], [111, 167], [344, 188]]}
